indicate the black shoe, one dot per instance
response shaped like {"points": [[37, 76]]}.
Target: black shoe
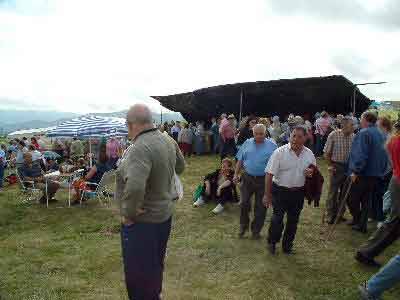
{"points": [[271, 248], [289, 251], [359, 229], [255, 236], [242, 232], [361, 258], [76, 202]]}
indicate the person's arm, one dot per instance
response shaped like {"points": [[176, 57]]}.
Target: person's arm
{"points": [[268, 190], [91, 173], [328, 152], [238, 168], [225, 184], [135, 177], [361, 147], [180, 137], [180, 160], [271, 169]]}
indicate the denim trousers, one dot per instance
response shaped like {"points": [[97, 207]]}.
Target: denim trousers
{"points": [[144, 247], [385, 279], [1, 174]]}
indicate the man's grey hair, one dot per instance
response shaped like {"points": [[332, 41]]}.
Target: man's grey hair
{"points": [[260, 126], [139, 114]]}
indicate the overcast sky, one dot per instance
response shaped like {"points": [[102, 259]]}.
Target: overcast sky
{"points": [[94, 55]]}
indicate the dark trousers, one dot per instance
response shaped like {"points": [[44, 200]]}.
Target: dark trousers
{"points": [[289, 203], [381, 239], [143, 251], [1, 174], [228, 148], [376, 205], [252, 186], [359, 199], [227, 194], [390, 231], [336, 184]]}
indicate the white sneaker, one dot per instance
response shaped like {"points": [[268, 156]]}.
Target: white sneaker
{"points": [[380, 224], [200, 201], [218, 209]]}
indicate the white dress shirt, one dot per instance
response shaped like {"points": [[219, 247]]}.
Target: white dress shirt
{"points": [[287, 168]]}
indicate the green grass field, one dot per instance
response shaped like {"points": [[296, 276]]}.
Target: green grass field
{"points": [[74, 253]]}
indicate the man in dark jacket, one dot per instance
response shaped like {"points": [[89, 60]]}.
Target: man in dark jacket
{"points": [[367, 162]]}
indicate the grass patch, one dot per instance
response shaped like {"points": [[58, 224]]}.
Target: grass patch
{"points": [[74, 253]]}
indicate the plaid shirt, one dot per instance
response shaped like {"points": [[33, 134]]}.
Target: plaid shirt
{"points": [[339, 146]]}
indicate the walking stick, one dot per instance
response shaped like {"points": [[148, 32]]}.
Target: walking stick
{"points": [[341, 207]]}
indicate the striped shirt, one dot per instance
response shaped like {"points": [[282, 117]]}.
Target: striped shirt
{"points": [[339, 145]]}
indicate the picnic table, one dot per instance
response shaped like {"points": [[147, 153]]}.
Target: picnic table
{"points": [[68, 177]]}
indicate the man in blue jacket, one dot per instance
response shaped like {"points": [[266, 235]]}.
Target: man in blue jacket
{"points": [[368, 161]]}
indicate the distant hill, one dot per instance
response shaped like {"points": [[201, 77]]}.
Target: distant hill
{"points": [[22, 116], [14, 120]]}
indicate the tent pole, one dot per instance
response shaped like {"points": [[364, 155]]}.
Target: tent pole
{"points": [[354, 101], [241, 105], [90, 152]]}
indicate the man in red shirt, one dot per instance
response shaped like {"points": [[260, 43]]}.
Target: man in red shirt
{"points": [[390, 231], [227, 132]]}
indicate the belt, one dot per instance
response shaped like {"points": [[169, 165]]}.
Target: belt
{"points": [[255, 177], [288, 189]]}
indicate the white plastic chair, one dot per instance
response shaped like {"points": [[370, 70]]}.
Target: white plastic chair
{"points": [[28, 190], [101, 191]]}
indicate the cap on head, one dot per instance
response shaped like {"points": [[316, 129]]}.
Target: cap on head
{"points": [[231, 116]]}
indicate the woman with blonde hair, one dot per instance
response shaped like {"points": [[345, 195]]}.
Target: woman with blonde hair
{"points": [[219, 186]]}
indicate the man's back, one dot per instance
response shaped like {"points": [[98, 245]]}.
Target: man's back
{"points": [[145, 177], [368, 156]]}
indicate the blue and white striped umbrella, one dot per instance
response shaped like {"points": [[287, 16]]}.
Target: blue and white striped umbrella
{"points": [[90, 126]]}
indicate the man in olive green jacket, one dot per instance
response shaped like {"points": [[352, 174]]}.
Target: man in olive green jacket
{"points": [[146, 192]]}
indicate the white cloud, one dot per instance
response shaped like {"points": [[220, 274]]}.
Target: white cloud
{"points": [[105, 55]]}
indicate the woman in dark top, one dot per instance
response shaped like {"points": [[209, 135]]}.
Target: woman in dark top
{"points": [[247, 131], [219, 186], [93, 176]]}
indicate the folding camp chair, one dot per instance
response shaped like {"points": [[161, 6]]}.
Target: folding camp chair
{"points": [[101, 191], [28, 190]]}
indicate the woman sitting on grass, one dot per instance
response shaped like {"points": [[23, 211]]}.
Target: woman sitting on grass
{"points": [[219, 186], [94, 175]]}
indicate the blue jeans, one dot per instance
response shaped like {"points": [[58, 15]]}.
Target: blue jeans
{"points": [[143, 251], [1, 174], [386, 278]]}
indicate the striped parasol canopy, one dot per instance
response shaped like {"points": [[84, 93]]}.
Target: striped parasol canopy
{"points": [[90, 126]]}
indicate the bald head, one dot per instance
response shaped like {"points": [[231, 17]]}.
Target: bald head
{"points": [[139, 114]]}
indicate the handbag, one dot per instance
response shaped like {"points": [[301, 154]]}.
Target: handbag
{"points": [[198, 192]]}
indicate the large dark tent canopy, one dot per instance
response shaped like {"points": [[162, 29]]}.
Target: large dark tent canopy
{"points": [[335, 94]]}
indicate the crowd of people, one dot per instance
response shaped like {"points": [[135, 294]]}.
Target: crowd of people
{"points": [[271, 161], [31, 160], [276, 163]]}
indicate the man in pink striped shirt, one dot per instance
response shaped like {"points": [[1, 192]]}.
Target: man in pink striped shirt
{"points": [[227, 132], [322, 125]]}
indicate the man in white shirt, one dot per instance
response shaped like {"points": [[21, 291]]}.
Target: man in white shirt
{"points": [[286, 171]]}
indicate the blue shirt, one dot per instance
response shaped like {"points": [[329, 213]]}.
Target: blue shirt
{"points": [[368, 156], [255, 157]]}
